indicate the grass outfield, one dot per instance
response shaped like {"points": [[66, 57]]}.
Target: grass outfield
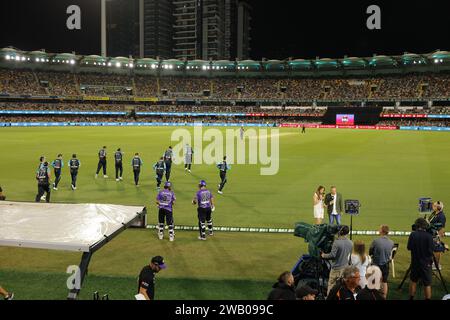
{"points": [[386, 170], [229, 266]]}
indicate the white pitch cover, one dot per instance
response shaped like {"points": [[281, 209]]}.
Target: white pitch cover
{"points": [[69, 227]]}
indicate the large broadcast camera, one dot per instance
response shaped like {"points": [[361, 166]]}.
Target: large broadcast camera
{"points": [[311, 269], [320, 238], [425, 208]]}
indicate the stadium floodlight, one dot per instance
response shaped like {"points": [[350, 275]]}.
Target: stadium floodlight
{"points": [[436, 60], [23, 58], [109, 64], [72, 61], [7, 57], [48, 60], [37, 60], [203, 67], [17, 58], [118, 65], [131, 65], [153, 66]]}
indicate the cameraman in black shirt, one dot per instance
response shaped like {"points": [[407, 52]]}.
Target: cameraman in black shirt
{"points": [[421, 245], [147, 277]]}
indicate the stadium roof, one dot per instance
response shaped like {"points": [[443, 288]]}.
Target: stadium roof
{"points": [[412, 61]]}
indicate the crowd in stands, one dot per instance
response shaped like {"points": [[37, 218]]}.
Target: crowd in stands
{"points": [[94, 106], [19, 82], [415, 123], [62, 106], [58, 83], [417, 110]]}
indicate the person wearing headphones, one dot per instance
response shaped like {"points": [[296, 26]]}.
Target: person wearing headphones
{"points": [[438, 218]]}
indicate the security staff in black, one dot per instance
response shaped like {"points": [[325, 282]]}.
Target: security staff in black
{"points": [[43, 178], [160, 168], [74, 165], [101, 162], [118, 157], [57, 165], [168, 158], [223, 168], [146, 282], [136, 163]]}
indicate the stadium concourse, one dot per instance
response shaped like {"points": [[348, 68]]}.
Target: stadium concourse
{"points": [[87, 99]]}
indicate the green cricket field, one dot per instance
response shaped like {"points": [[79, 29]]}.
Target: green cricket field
{"points": [[387, 171]]}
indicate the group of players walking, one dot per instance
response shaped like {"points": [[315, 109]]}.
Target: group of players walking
{"points": [[165, 199]]}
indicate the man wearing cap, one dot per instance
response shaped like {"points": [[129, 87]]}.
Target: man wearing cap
{"points": [[205, 201], [165, 200], [305, 293], [146, 285]]}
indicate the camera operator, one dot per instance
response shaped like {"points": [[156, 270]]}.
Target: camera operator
{"points": [[340, 254], [438, 219], [421, 245]]}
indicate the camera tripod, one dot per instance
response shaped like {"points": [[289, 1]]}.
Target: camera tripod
{"points": [[316, 267], [439, 276]]}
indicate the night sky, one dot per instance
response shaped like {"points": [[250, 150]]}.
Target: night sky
{"points": [[281, 29]]}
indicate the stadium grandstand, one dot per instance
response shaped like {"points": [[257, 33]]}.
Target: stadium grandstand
{"points": [[411, 90]]}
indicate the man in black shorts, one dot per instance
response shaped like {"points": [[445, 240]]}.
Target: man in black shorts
{"points": [[146, 285], [380, 251], [420, 243]]}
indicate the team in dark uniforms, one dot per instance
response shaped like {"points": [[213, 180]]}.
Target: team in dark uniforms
{"points": [[118, 157], [136, 163], [165, 199]]}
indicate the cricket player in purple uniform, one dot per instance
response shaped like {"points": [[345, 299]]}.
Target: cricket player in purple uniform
{"points": [[205, 201], [165, 201]]}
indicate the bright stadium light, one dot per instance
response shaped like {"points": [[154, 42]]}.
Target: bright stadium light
{"points": [[131, 65], [436, 60], [118, 64], [72, 61], [23, 58], [109, 64], [7, 57], [153, 66], [17, 58], [37, 59], [203, 67]]}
